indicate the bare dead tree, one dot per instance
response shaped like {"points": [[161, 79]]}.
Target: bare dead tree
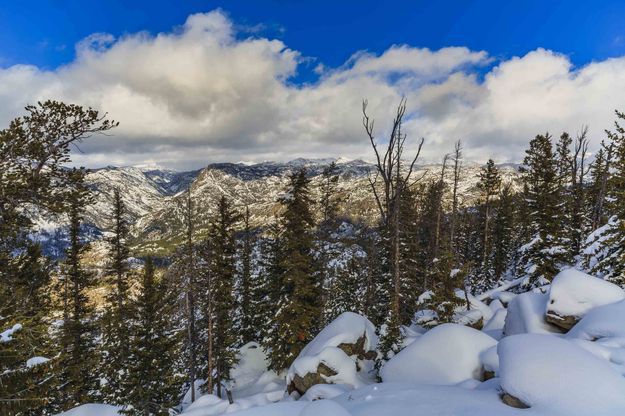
{"points": [[388, 184], [439, 211], [454, 201], [579, 170], [598, 208]]}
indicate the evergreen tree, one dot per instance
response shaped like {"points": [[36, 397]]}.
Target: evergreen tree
{"points": [[611, 261], [298, 309], [411, 270], [34, 150], [247, 327], [504, 234], [446, 280], [77, 380], [327, 247], [488, 185], [118, 316], [543, 255], [346, 291], [223, 271], [154, 386]]}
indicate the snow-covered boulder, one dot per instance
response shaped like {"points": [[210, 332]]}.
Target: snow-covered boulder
{"points": [[602, 332], [526, 315], [337, 355], [447, 354], [606, 321], [573, 293], [555, 376]]}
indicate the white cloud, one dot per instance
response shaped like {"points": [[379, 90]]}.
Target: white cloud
{"points": [[202, 93]]}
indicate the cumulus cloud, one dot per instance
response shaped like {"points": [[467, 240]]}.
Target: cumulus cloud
{"points": [[203, 92]]}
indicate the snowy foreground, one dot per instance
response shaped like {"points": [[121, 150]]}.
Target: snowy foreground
{"points": [[559, 350]]}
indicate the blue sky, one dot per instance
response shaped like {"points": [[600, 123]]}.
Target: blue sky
{"points": [[43, 32], [194, 82]]}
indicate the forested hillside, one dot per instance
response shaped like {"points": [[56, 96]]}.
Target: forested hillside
{"points": [[145, 289]]}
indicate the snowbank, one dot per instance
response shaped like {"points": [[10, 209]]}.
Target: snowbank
{"points": [[573, 293], [556, 376], [447, 354], [398, 399], [526, 315], [606, 321]]}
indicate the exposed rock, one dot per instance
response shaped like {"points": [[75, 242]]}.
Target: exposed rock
{"points": [[487, 375], [564, 322], [302, 384], [513, 401], [358, 349]]}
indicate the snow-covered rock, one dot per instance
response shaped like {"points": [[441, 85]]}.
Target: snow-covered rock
{"points": [[602, 332], [573, 293], [606, 321], [340, 353], [526, 315], [556, 376], [447, 354]]}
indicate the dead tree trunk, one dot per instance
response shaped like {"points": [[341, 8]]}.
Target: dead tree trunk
{"points": [[190, 297], [394, 180]]}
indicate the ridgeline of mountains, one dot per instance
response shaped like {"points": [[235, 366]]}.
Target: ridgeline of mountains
{"points": [[155, 198]]}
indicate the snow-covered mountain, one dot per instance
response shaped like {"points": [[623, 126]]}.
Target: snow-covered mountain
{"points": [[154, 197]]}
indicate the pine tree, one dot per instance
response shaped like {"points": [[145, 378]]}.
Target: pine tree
{"points": [[298, 309], [247, 327], [504, 234], [489, 184], [77, 380], [412, 271], [223, 271], [611, 262], [118, 316], [446, 280], [34, 151], [329, 204], [154, 386], [543, 255], [266, 287]]}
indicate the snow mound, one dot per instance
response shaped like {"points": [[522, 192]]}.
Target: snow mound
{"points": [[573, 293], [554, 375], [340, 354], [93, 409], [526, 315], [447, 354], [606, 321]]}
